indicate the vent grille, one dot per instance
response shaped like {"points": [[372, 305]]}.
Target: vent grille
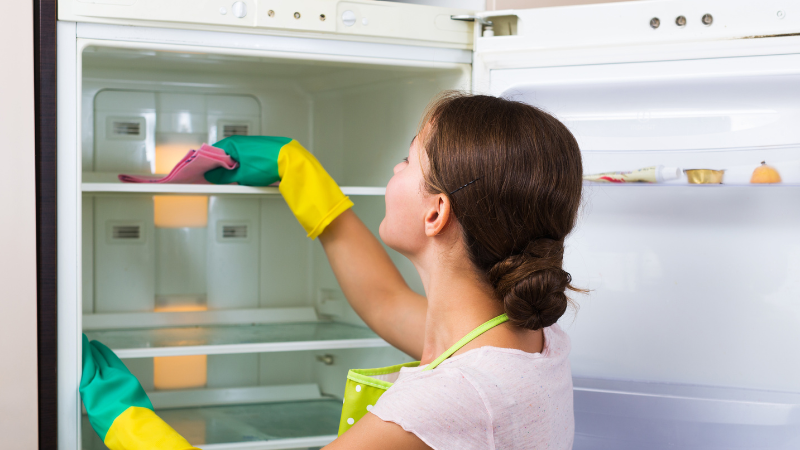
{"points": [[127, 232], [234, 130], [234, 231], [120, 128]]}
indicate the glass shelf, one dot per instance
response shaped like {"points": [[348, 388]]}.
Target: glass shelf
{"points": [[310, 423], [100, 183], [228, 339]]}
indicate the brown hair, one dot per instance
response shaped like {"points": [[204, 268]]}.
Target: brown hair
{"points": [[513, 174]]}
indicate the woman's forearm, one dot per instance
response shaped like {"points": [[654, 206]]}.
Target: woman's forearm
{"points": [[373, 285]]}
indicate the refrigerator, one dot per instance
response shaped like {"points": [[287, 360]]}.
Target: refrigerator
{"points": [[232, 319]]}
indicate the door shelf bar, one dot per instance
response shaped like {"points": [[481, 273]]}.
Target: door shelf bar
{"points": [[231, 339], [250, 348], [280, 444]]}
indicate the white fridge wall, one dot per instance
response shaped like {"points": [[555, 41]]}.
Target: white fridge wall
{"points": [[180, 268], [125, 265], [129, 148], [689, 284], [232, 267], [667, 105], [285, 257]]}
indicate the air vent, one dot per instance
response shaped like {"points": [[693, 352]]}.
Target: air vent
{"points": [[126, 232], [234, 130], [120, 128], [234, 232]]}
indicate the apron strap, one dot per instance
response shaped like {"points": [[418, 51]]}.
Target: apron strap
{"points": [[466, 340]]}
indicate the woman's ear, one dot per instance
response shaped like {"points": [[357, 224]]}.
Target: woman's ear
{"points": [[438, 215]]}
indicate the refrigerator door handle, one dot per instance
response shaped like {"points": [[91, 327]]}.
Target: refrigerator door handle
{"points": [[471, 18]]}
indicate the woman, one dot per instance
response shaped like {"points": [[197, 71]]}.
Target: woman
{"points": [[481, 206]]}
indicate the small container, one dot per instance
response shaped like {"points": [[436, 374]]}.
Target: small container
{"points": [[704, 176]]}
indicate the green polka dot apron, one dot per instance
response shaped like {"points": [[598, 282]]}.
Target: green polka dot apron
{"points": [[365, 386]]}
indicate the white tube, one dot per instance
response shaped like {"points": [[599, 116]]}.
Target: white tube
{"points": [[654, 174]]}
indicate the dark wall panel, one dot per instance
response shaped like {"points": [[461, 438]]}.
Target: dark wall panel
{"points": [[45, 91]]}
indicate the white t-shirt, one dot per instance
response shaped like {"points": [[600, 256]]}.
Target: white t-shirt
{"points": [[488, 398]]}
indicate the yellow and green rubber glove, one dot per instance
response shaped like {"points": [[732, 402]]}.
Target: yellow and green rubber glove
{"points": [[312, 195], [118, 407]]}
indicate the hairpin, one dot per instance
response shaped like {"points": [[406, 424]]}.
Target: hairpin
{"points": [[462, 187]]}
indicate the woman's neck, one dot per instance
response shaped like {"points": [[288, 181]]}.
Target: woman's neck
{"points": [[458, 302]]}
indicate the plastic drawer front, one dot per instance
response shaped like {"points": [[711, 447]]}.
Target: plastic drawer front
{"points": [[622, 415]]}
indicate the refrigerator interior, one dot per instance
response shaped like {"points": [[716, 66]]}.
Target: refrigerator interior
{"points": [[213, 296], [686, 339]]}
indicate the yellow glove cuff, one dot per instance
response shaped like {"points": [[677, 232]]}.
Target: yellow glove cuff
{"points": [[312, 195], [140, 428]]}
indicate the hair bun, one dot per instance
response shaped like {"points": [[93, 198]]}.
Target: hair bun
{"points": [[532, 284]]}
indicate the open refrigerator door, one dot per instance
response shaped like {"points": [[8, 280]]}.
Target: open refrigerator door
{"points": [[686, 339]]}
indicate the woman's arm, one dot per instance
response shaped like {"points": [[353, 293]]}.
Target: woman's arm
{"points": [[368, 278], [372, 433], [373, 285]]}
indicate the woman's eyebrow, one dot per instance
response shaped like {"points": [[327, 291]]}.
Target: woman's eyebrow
{"points": [[413, 139]]}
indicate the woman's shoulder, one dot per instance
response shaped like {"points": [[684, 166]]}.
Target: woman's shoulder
{"points": [[556, 348]]}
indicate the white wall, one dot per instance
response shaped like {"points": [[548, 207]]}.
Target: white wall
{"points": [[18, 394]]}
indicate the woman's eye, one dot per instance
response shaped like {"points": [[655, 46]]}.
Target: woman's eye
{"points": [[405, 160]]}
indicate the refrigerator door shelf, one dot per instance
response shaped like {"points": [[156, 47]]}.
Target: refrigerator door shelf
{"points": [[738, 163], [627, 415], [221, 339]]}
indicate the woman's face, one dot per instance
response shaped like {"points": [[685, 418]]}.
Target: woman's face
{"points": [[402, 228]]}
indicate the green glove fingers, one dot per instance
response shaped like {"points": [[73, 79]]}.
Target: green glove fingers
{"points": [[118, 407], [257, 157], [107, 387], [312, 195]]}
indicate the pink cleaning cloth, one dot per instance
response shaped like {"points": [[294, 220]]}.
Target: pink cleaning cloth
{"points": [[190, 169]]}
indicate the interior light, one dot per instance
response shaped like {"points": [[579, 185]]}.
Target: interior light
{"points": [[180, 372], [175, 211], [168, 155]]}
